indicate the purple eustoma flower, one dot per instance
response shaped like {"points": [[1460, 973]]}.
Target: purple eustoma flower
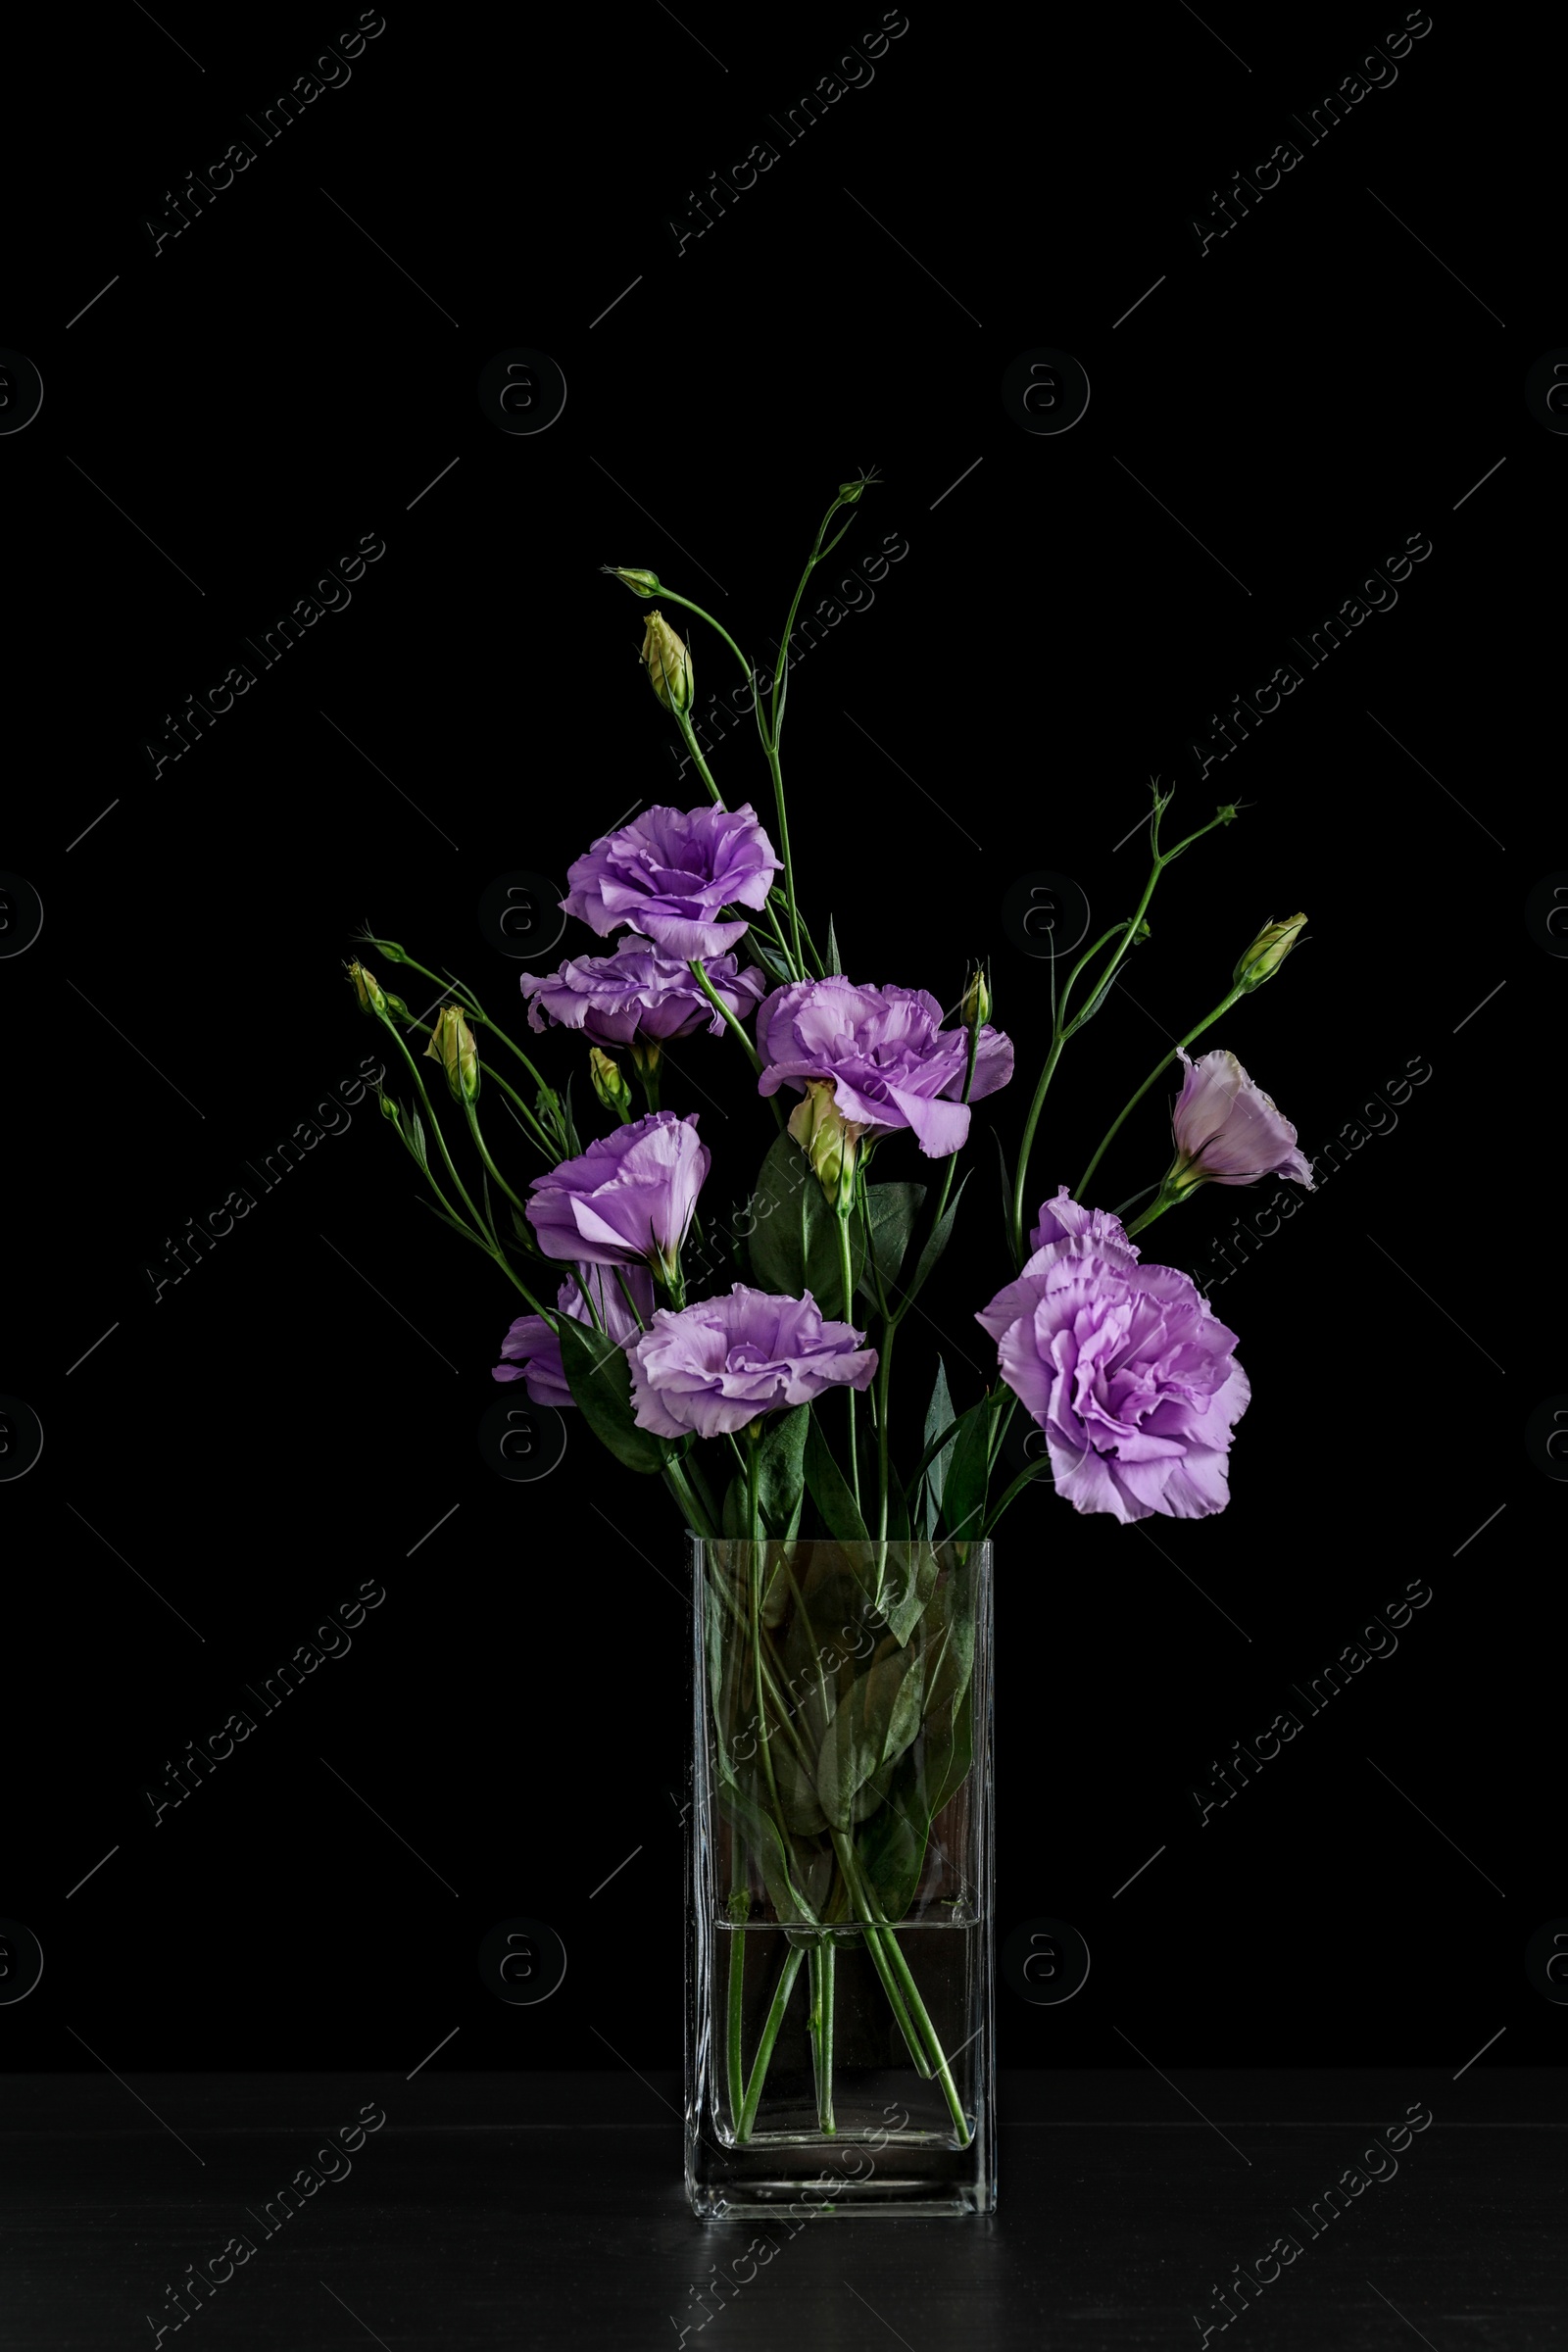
{"points": [[1228, 1131], [629, 1198], [669, 876], [884, 1052], [715, 1366], [532, 1352], [638, 995], [1123, 1367]]}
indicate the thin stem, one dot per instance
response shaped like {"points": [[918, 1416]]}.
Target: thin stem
{"points": [[484, 1153], [784, 828], [822, 1983], [1021, 1179], [695, 965], [847, 1271], [884, 1370], [1197, 1030], [735, 2007], [685, 726], [535, 1132], [484, 1020], [481, 1232], [697, 1519], [765, 2048]]}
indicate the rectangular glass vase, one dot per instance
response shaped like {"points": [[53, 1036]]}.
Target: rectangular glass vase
{"points": [[839, 1978]]}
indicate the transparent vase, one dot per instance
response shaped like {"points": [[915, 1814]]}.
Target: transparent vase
{"points": [[839, 2029]]}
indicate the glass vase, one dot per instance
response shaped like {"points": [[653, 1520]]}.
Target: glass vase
{"points": [[839, 2031]]}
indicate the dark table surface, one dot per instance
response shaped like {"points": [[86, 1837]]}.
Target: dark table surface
{"points": [[525, 2210]]}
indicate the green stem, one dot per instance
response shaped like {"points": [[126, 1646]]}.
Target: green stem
{"points": [[496, 1030], [484, 1153], [695, 965], [821, 1980], [1197, 1030], [689, 735], [1021, 1181], [1162, 1201], [735, 2009], [472, 1013], [881, 1942], [535, 1133], [481, 1231], [697, 1519], [765, 2048], [847, 1271], [784, 829]]}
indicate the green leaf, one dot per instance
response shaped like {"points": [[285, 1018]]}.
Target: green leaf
{"points": [[964, 1490], [891, 1210], [949, 1754], [781, 1470], [421, 1149], [939, 1415], [873, 1724], [912, 1585], [569, 1126], [892, 1845], [830, 960], [796, 1793], [599, 1377], [489, 1207], [830, 1490], [935, 1242], [734, 1519], [1006, 1189], [794, 1237], [790, 1898]]}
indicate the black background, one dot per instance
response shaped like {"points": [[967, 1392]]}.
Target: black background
{"points": [[282, 1425]]}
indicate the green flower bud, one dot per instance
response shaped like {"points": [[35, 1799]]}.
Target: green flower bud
{"points": [[451, 1044], [829, 1140], [976, 1006], [667, 662], [1267, 952], [641, 583], [389, 1109], [366, 988], [609, 1084]]}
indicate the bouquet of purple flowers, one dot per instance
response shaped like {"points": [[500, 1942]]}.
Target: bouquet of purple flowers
{"points": [[747, 1364]]}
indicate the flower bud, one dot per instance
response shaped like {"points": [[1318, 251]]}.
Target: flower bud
{"points": [[1267, 952], [366, 988], [389, 1109], [828, 1138], [976, 1006], [451, 1044], [641, 583], [667, 662], [609, 1084]]}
